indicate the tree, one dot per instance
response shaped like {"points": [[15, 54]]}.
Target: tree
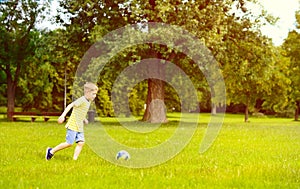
{"points": [[248, 59], [291, 47], [187, 15], [92, 20], [53, 57], [34, 90], [17, 22], [209, 21], [87, 22]]}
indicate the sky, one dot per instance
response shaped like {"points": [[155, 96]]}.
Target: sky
{"points": [[284, 9]]}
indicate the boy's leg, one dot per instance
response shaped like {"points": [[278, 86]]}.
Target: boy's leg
{"points": [[80, 143], [59, 147], [70, 139], [50, 151], [78, 150]]}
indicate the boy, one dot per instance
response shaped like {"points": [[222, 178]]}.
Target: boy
{"points": [[76, 121]]}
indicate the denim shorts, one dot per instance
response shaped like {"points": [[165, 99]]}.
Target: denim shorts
{"points": [[74, 136]]}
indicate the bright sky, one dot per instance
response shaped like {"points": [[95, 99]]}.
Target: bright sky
{"points": [[284, 9]]}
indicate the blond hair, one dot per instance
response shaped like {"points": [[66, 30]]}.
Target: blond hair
{"points": [[90, 87]]}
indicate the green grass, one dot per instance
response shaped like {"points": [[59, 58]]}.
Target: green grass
{"points": [[264, 153]]}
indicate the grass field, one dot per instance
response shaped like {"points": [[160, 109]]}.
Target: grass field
{"points": [[264, 153]]}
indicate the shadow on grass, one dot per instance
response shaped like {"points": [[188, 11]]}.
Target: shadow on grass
{"points": [[171, 123]]}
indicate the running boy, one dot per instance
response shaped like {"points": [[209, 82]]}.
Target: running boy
{"points": [[76, 121]]}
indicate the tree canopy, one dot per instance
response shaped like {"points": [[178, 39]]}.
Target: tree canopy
{"points": [[19, 39], [258, 76]]}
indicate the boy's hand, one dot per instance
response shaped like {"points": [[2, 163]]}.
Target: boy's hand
{"points": [[61, 119], [85, 121]]}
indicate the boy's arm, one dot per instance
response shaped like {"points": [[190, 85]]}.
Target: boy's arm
{"points": [[61, 119]]}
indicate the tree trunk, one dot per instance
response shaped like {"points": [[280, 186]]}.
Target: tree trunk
{"points": [[11, 91], [247, 107], [155, 108], [213, 109], [297, 111], [246, 113]]}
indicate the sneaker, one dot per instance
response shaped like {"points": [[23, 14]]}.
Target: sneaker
{"points": [[48, 154]]}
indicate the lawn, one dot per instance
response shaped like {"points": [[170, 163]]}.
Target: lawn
{"points": [[264, 153]]}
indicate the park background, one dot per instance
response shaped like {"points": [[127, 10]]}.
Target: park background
{"points": [[37, 66]]}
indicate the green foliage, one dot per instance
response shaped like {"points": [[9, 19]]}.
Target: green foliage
{"points": [[18, 39], [64, 57], [36, 89], [17, 21], [137, 98], [291, 47], [253, 69], [104, 105], [277, 98], [180, 13]]}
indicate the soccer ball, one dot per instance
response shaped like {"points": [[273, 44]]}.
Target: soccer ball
{"points": [[123, 155]]}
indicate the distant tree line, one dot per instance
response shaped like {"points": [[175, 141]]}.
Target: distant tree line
{"points": [[37, 67]]}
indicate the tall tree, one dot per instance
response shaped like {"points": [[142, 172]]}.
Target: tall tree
{"points": [[88, 21], [155, 107], [204, 19], [277, 98], [246, 64], [54, 59], [17, 22], [210, 21], [247, 58], [34, 90], [291, 46]]}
